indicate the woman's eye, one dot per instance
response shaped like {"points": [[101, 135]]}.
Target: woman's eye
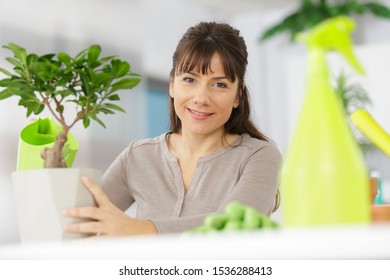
{"points": [[220, 85], [188, 80]]}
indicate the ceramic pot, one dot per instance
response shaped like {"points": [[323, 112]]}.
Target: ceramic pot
{"points": [[42, 194]]}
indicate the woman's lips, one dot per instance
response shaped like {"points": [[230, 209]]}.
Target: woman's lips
{"points": [[199, 115]]}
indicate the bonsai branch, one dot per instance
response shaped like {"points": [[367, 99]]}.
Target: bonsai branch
{"points": [[53, 157]]}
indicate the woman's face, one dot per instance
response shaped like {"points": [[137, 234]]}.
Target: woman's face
{"points": [[204, 102]]}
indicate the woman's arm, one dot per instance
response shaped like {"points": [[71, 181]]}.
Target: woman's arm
{"points": [[114, 181]]}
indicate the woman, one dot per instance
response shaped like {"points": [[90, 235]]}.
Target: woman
{"points": [[212, 155]]}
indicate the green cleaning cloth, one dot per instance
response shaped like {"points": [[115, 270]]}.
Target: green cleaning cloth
{"points": [[237, 216]]}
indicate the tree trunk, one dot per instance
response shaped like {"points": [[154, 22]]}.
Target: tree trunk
{"points": [[53, 157]]}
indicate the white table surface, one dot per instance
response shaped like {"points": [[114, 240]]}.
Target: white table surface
{"points": [[352, 242]]}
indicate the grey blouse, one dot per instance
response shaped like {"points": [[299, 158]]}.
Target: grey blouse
{"points": [[146, 172]]}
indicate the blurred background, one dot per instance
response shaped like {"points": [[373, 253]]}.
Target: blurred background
{"points": [[145, 33]]}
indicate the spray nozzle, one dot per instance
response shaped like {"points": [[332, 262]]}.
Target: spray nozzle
{"points": [[333, 34]]}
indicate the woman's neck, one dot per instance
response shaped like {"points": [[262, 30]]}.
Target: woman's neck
{"points": [[194, 146]]}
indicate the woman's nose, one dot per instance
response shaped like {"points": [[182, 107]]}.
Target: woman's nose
{"points": [[202, 96]]}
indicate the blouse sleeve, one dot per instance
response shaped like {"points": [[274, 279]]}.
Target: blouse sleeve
{"points": [[256, 187], [258, 184], [114, 182]]}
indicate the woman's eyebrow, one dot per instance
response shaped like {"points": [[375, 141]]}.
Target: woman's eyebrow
{"points": [[193, 74], [213, 78], [221, 78], [197, 75]]}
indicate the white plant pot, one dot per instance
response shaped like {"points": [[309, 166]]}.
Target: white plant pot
{"points": [[41, 195]]}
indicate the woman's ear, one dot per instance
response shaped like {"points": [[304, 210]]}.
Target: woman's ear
{"points": [[171, 87], [238, 96], [236, 101]]}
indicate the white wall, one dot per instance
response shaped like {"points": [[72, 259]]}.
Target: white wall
{"points": [[265, 76]]}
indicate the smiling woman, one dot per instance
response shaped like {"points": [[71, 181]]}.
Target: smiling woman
{"points": [[212, 154], [204, 102]]}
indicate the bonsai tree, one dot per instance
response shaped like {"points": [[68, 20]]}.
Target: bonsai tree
{"points": [[88, 81]]}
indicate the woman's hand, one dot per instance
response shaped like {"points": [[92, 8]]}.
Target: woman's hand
{"points": [[106, 218]]}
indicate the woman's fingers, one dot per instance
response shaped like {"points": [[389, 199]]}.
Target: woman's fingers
{"points": [[100, 197], [93, 213], [94, 223], [106, 218], [85, 227]]}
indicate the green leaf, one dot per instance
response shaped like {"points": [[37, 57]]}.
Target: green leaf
{"points": [[79, 62], [5, 94], [85, 83], [126, 83], [33, 107], [105, 110], [45, 70], [6, 72], [107, 69], [86, 122], [354, 7], [30, 109], [21, 89], [5, 82], [123, 69], [102, 79], [114, 97], [91, 74], [93, 54], [292, 24], [378, 9], [48, 56], [26, 100], [64, 80], [31, 58], [19, 52], [113, 107], [14, 62], [39, 109], [81, 55], [115, 63], [107, 58], [96, 119], [64, 58]]}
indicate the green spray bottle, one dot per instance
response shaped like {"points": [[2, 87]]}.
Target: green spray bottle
{"points": [[324, 178]]}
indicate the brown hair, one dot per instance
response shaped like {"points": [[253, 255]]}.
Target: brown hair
{"points": [[195, 51]]}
